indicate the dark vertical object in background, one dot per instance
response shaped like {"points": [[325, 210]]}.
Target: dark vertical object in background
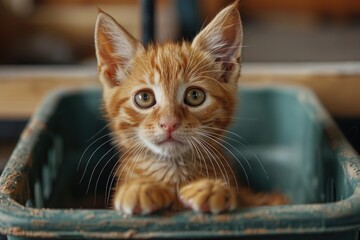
{"points": [[189, 18], [148, 21], [350, 126]]}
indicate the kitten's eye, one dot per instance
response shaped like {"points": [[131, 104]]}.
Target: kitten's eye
{"points": [[145, 99], [194, 97]]}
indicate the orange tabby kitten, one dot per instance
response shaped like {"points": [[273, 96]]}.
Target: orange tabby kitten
{"points": [[168, 104]]}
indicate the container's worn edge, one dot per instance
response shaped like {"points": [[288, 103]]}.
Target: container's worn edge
{"points": [[19, 159], [41, 228]]}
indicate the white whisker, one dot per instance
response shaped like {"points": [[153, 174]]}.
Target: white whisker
{"points": [[227, 131], [230, 145], [201, 157], [96, 165], [232, 154], [107, 162], [247, 148], [114, 175], [82, 156], [219, 154], [98, 132], [209, 156], [88, 162]]}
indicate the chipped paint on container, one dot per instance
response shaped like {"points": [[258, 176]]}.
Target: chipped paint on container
{"points": [[292, 146]]}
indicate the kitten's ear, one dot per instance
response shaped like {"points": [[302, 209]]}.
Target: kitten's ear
{"points": [[222, 38], [115, 50]]}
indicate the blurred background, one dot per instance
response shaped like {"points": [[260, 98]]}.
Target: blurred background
{"points": [[39, 33], [61, 31]]}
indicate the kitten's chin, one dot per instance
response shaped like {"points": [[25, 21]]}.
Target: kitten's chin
{"points": [[168, 148]]}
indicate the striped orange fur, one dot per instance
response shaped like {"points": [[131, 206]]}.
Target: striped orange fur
{"points": [[169, 106]]}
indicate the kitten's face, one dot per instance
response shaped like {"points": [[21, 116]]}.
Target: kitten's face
{"points": [[170, 98], [167, 101]]}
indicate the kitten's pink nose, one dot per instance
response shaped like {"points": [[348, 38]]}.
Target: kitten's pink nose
{"points": [[170, 124]]}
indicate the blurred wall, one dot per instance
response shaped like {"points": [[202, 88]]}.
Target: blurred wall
{"points": [[61, 31]]}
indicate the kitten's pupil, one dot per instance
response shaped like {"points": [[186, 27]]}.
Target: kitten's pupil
{"points": [[145, 97], [195, 94]]}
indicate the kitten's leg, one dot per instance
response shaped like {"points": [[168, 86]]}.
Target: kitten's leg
{"points": [[249, 198], [143, 197], [208, 195]]}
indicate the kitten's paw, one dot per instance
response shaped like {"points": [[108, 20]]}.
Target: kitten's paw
{"points": [[141, 197], [208, 196]]}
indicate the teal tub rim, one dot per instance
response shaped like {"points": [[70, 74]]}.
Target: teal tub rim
{"points": [[18, 220]]}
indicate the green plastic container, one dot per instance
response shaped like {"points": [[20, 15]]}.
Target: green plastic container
{"points": [[289, 142]]}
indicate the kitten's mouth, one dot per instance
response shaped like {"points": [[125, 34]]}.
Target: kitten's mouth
{"points": [[169, 140], [169, 147]]}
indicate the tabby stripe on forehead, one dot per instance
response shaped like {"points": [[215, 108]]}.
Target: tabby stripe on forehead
{"points": [[184, 59], [157, 68]]}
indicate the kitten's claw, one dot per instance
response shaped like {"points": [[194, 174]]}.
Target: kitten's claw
{"points": [[208, 196], [143, 197]]}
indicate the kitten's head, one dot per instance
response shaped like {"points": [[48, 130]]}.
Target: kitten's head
{"points": [[170, 98]]}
